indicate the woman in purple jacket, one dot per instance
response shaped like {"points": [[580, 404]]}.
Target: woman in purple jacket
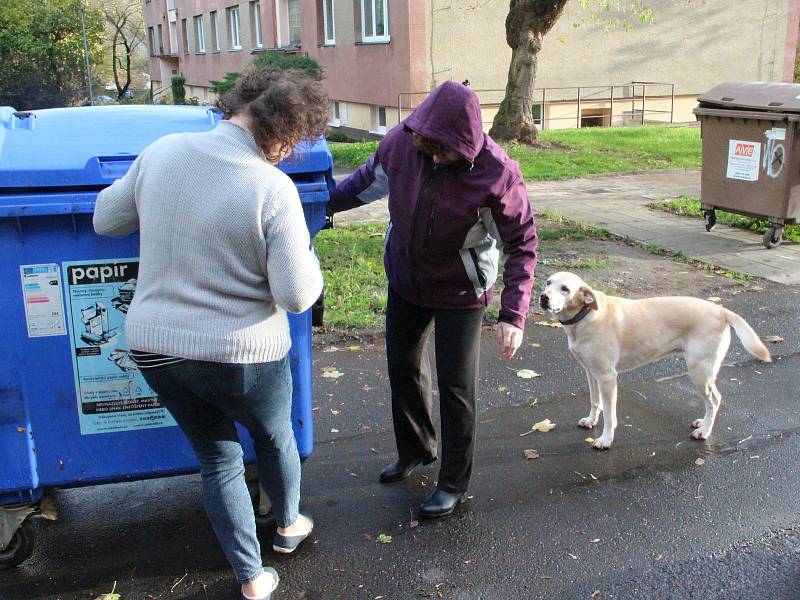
{"points": [[455, 201]]}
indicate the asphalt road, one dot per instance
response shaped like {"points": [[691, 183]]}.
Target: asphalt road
{"points": [[643, 520]]}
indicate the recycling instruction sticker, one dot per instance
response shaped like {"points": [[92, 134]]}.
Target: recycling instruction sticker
{"points": [[112, 394]]}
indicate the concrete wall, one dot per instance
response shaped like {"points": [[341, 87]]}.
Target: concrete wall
{"points": [[693, 44]]}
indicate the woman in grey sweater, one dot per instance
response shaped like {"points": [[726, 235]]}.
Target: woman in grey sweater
{"points": [[225, 253]]}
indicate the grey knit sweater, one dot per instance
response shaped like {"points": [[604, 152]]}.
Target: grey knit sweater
{"points": [[224, 248]]}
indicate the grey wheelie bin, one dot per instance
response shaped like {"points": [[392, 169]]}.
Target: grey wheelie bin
{"points": [[751, 152]]}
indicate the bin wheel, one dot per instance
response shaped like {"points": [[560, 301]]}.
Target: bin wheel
{"points": [[20, 547], [773, 237], [710, 217]]}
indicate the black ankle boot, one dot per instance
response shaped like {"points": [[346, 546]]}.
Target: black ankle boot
{"points": [[440, 503], [400, 469]]}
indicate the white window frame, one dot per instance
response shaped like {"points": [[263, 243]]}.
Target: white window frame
{"points": [[215, 31], [199, 34], [372, 37], [255, 11], [340, 119], [282, 25], [376, 119], [234, 27], [329, 19]]}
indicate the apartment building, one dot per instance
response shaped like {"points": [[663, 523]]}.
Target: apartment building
{"points": [[382, 56]]}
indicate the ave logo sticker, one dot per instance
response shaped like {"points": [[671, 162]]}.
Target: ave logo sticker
{"points": [[744, 159], [743, 149]]}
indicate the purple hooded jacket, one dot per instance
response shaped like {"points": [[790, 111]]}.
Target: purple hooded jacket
{"points": [[448, 223]]}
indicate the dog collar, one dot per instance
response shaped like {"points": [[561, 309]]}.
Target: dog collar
{"points": [[579, 317]]}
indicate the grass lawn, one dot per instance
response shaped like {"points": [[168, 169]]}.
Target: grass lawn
{"points": [[351, 259], [581, 152], [691, 207]]}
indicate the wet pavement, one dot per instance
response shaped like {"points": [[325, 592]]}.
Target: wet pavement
{"points": [[643, 520]]}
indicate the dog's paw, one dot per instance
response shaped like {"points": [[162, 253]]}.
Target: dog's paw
{"points": [[700, 434], [697, 423], [586, 423], [602, 443]]}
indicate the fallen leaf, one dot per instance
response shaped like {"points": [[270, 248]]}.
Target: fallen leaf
{"points": [[354, 348], [531, 454], [595, 541], [334, 412], [413, 524], [547, 324], [700, 461], [108, 597], [774, 339], [334, 430], [543, 426], [527, 374], [384, 538], [535, 345], [332, 374], [596, 594], [589, 440], [21, 429], [714, 299], [331, 349], [502, 388]]}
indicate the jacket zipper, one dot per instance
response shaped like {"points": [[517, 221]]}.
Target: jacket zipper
{"points": [[430, 227], [420, 198]]}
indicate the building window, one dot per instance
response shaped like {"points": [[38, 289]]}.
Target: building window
{"points": [[328, 22], [199, 34], [255, 15], [214, 31], [151, 35], [287, 17], [185, 36], [233, 28], [379, 119], [374, 21], [159, 41], [338, 113]]}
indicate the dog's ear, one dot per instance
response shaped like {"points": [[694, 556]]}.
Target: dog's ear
{"points": [[587, 297]]}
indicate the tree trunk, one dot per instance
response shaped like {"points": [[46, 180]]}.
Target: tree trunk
{"points": [[114, 64], [526, 25], [514, 120]]}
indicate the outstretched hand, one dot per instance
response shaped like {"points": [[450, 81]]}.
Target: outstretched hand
{"points": [[509, 339]]}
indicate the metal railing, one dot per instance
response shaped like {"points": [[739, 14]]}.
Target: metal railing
{"points": [[602, 98]]}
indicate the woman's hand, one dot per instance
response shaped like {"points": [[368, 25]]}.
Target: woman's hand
{"points": [[509, 339]]}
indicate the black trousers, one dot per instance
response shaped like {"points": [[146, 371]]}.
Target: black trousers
{"points": [[457, 338]]}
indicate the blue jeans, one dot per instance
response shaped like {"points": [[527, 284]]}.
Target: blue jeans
{"points": [[205, 399]]}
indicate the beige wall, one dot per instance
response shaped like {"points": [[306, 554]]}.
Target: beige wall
{"points": [[693, 44]]}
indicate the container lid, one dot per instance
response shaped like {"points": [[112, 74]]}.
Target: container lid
{"points": [[755, 95], [90, 147]]}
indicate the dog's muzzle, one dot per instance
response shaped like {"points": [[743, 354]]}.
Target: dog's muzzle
{"points": [[544, 302]]}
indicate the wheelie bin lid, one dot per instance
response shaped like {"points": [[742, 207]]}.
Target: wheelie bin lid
{"points": [[753, 95], [89, 147]]}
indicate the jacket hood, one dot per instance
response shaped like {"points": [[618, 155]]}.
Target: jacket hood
{"points": [[451, 115]]}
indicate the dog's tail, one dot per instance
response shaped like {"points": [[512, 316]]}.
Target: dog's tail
{"points": [[749, 338]]}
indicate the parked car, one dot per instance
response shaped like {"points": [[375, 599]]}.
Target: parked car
{"points": [[100, 101]]}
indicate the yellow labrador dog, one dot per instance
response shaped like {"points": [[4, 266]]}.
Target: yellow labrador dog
{"points": [[610, 335]]}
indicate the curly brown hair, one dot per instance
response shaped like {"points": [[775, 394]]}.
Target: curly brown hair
{"points": [[284, 106], [427, 145]]}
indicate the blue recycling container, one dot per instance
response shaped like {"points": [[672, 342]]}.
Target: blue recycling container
{"points": [[74, 410]]}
